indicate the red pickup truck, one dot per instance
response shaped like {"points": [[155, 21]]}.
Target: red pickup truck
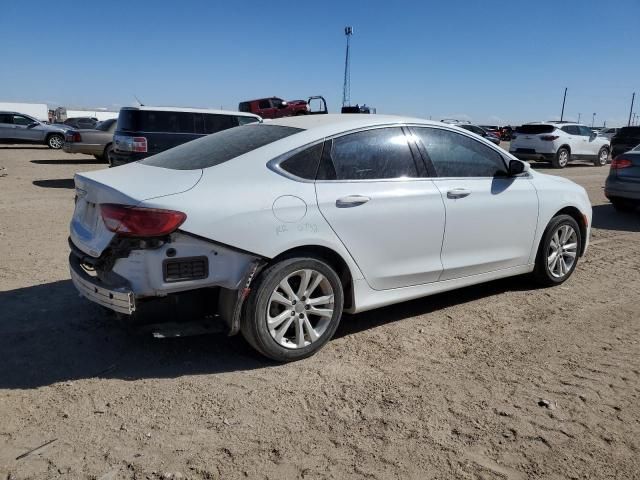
{"points": [[274, 107]]}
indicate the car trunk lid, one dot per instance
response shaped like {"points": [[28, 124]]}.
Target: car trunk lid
{"points": [[128, 185]]}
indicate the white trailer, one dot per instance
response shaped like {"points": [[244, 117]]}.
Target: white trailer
{"points": [[99, 114], [36, 110]]}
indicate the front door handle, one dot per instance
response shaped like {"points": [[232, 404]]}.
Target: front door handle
{"points": [[458, 193], [351, 201]]}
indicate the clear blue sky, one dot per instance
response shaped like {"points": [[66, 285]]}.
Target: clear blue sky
{"points": [[489, 61]]}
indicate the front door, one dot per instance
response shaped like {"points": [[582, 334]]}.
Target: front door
{"points": [[6, 126], [390, 220], [590, 146], [24, 132], [491, 218]]}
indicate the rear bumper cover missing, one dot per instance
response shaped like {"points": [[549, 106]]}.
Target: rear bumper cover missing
{"points": [[118, 298]]}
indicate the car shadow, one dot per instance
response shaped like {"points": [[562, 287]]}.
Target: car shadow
{"points": [[23, 147], [67, 161], [608, 218], [55, 183], [49, 334], [573, 164]]}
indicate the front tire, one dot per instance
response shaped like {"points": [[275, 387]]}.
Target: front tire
{"points": [[601, 159], [562, 158], [558, 252], [55, 141], [294, 309]]}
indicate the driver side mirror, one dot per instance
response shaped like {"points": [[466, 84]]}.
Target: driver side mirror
{"points": [[282, 105], [516, 167], [34, 124]]}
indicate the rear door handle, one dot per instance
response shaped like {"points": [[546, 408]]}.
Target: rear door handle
{"points": [[351, 201], [458, 193]]}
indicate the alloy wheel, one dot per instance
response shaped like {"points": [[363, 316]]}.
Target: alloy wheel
{"points": [[300, 309], [563, 158], [55, 142], [604, 155], [562, 252]]}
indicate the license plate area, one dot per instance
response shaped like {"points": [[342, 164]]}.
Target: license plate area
{"points": [[87, 214]]}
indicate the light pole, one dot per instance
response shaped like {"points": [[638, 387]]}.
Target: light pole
{"points": [[579, 117], [633, 97], [563, 100], [593, 119]]}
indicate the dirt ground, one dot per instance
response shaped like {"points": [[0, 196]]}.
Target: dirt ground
{"points": [[499, 381]]}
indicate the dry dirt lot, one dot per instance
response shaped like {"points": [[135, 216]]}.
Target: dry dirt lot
{"points": [[444, 387]]}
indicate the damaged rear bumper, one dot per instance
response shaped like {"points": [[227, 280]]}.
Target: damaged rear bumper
{"points": [[119, 298]]}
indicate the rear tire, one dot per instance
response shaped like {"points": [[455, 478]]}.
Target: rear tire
{"points": [[558, 252], [107, 151], [280, 322], [601, 159], [562, 158], [55, 141]]}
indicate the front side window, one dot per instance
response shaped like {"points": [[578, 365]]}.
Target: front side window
{"points": [[246, 120], [381, 153], [585, 131], [20, 120], [455, 155], [219, 147]]}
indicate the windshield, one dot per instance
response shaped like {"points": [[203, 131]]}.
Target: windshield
{"points": [[220, 147]]}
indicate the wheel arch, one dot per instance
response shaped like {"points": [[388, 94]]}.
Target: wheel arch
{"points": [[330, 256], [565, 145], [577, 215]]}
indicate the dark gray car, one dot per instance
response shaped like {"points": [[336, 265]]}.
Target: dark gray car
{"points": [[18, 127], [622, 187], [96, 141]]}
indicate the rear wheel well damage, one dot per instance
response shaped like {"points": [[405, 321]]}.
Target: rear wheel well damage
{"points": [[580, 219]]}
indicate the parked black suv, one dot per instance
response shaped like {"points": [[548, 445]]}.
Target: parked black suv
{"points": [[624, 140], [145, 131]]}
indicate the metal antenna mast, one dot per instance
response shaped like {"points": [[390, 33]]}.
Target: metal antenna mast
{"points": [[346, 87]]}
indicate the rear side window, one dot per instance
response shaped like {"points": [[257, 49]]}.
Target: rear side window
{"points": [[6, 118], [304, 164], [244, 107], [264, 104], [571, 130], [215, 123], [455, 155], [219, 147], [157, 121], [377, 154], [535, 129], [246, 120]]}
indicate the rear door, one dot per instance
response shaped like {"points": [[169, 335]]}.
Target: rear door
{"points": [[377, 199], [491, 218]]}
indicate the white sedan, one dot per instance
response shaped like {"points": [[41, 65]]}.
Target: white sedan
{"points": [[280, 227]]}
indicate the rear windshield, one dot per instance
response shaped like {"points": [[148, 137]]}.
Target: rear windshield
{"points": [[629, 132], [219, 147], [106, 125], [535, 129]]}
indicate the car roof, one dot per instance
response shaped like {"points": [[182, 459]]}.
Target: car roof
{"points": [[337, 122], [191, 110]]}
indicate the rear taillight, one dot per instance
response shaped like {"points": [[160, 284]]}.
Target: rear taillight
{"points": [[140, 222], [549, 138], [139, 144], [73, 137], [620, 162]]}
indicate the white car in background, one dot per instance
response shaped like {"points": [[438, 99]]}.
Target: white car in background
{"points": [[281, 227], [559, 143]]}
